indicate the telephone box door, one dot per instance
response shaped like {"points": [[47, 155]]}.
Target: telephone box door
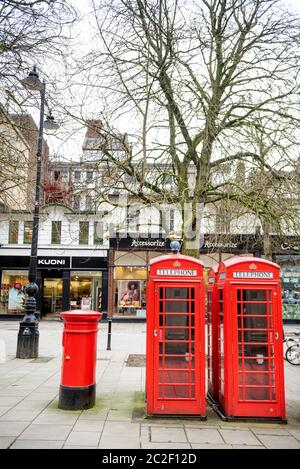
{"points": [[176, 350], [257, 350]]}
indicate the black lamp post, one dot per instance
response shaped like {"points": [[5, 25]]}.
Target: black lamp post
{"points": [[28, 337]]}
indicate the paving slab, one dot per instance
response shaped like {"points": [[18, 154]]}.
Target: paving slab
{"points": [[168, 435], [166, 445], [239, 437], [204, 435], [44, 431], [56, 418], [88, 425], [279, 442], [19, 416], [83, 438], [12, 428], [6, 441], [37, 444], [210, 446], [270, 431], [117, 442]]}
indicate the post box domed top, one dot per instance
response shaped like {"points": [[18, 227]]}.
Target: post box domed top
{"points": [[248, 268], [81, 315], [176, 265]]}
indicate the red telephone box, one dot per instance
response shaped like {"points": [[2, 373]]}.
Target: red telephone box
{"points": [[212, 336], [175, 360], [250, 352]]}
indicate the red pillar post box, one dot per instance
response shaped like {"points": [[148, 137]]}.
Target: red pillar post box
{"points": [[212, 336], [250, 330], [175, 357], [78, 388]]}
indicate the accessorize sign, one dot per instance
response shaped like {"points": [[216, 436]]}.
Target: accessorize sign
{"points": [[241, 274], [177, 272]]}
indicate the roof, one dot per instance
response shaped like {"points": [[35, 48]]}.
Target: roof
{"points": [[176, 257], [241, 260]]}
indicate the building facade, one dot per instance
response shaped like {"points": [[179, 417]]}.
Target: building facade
{"points": [[72, 269]]}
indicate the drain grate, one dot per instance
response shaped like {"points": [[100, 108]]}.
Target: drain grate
{"points": [[41, 360], [136, 360]]}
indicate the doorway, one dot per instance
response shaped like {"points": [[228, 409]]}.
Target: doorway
{"points": [[52, 296]]}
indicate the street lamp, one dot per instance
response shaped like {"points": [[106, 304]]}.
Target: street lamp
{"points": [[28, 337]]}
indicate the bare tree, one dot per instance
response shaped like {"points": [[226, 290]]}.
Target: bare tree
{"points": [[198, 78], [31, 32]]}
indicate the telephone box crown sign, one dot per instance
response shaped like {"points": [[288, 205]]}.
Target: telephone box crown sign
{"points": [[252, 266], [177, 264]]}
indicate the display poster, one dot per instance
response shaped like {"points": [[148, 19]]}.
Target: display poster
{"points": [[86, 302], [129, 293], [16, 297]]}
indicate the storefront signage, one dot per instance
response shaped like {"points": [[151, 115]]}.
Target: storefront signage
{"points": [[156, 243], [178, 272], [252, 274], [53, 262], [140, 242]]}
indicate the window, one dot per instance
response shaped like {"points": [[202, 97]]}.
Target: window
{"points": [[56, 232], [76, 202], [222, 223], [12, 296], [77, 176], [13, 233], [171, 219], [132, 218], [88, 202], [28, 226], [83, 232], [89, 176], [98, 232], [56, 175]]}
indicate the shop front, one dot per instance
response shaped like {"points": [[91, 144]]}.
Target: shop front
{"points": [[290, 281], [128, 273], [65, 283]]}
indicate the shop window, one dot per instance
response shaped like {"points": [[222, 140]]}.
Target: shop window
{"points": [[290, 278], [13, 233], [85, 290], [83, 232], [28, 226], [12, 296], [56, 232], [130, 291]]}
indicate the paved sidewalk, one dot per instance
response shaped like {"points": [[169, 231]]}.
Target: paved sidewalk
{"points": [[29, 417]]}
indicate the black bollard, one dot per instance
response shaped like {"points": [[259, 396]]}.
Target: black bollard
{"points": [[109, 334]]}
